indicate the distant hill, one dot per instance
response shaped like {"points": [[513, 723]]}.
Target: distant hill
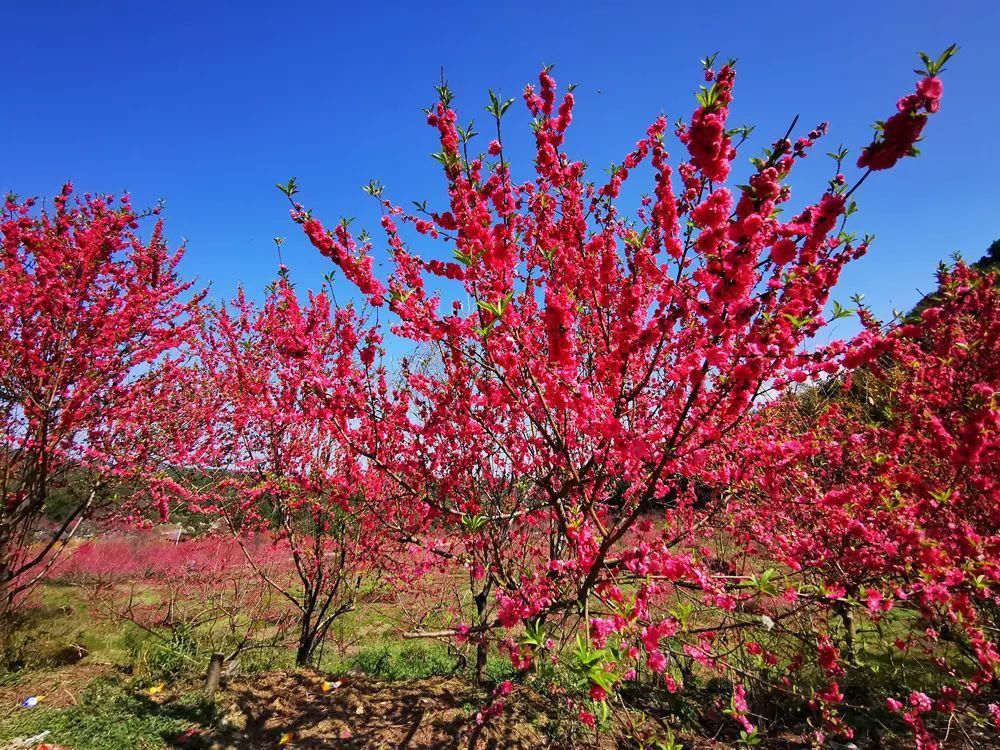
{"points": [[989, 263]]}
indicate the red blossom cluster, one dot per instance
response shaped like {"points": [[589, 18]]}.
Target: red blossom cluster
{"points": [[706, 137], [259, 429], [87, 309], [591, 415], [899, 134], [895, 510]]}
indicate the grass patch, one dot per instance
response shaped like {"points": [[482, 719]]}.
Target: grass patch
{"points": [[397, 660], [400, 661], [108, 717]]}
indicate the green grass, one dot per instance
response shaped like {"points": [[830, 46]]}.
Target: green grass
{"points": [[63, 617], [393, 660], [389, 660], [108, 717], [367, 637]]}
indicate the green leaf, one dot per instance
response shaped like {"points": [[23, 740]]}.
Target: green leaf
{"points": [[447, 159], [534, 635], [497, 308], [289, 188], [496, 107], [839, 311], [485, 330], [933, 67], [764, 584], [473, 524], [942, 496], [796, 321]]}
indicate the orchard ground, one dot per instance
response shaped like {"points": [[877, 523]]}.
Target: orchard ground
{"points": [[104, 682]]}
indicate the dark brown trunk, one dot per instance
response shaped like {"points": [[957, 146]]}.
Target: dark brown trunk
{"points": [[482, 647], [307, 641], [304, 653], [5, 573]]}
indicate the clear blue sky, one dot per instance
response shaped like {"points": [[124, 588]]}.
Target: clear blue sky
{"points": [[207, 105]]}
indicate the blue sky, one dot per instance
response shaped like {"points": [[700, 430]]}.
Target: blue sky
{"points": [[207, 105]]}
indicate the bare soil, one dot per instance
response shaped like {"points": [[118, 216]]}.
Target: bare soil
{"points": [[292, 707]]}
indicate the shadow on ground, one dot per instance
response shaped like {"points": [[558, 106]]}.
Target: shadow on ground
{"points": [[366, 713]]}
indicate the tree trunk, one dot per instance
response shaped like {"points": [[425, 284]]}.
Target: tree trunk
{"points": [[482, 647], [307, 642], [5, 573], [304, 653], [850, 633], [312, 633], [214, 675]]}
